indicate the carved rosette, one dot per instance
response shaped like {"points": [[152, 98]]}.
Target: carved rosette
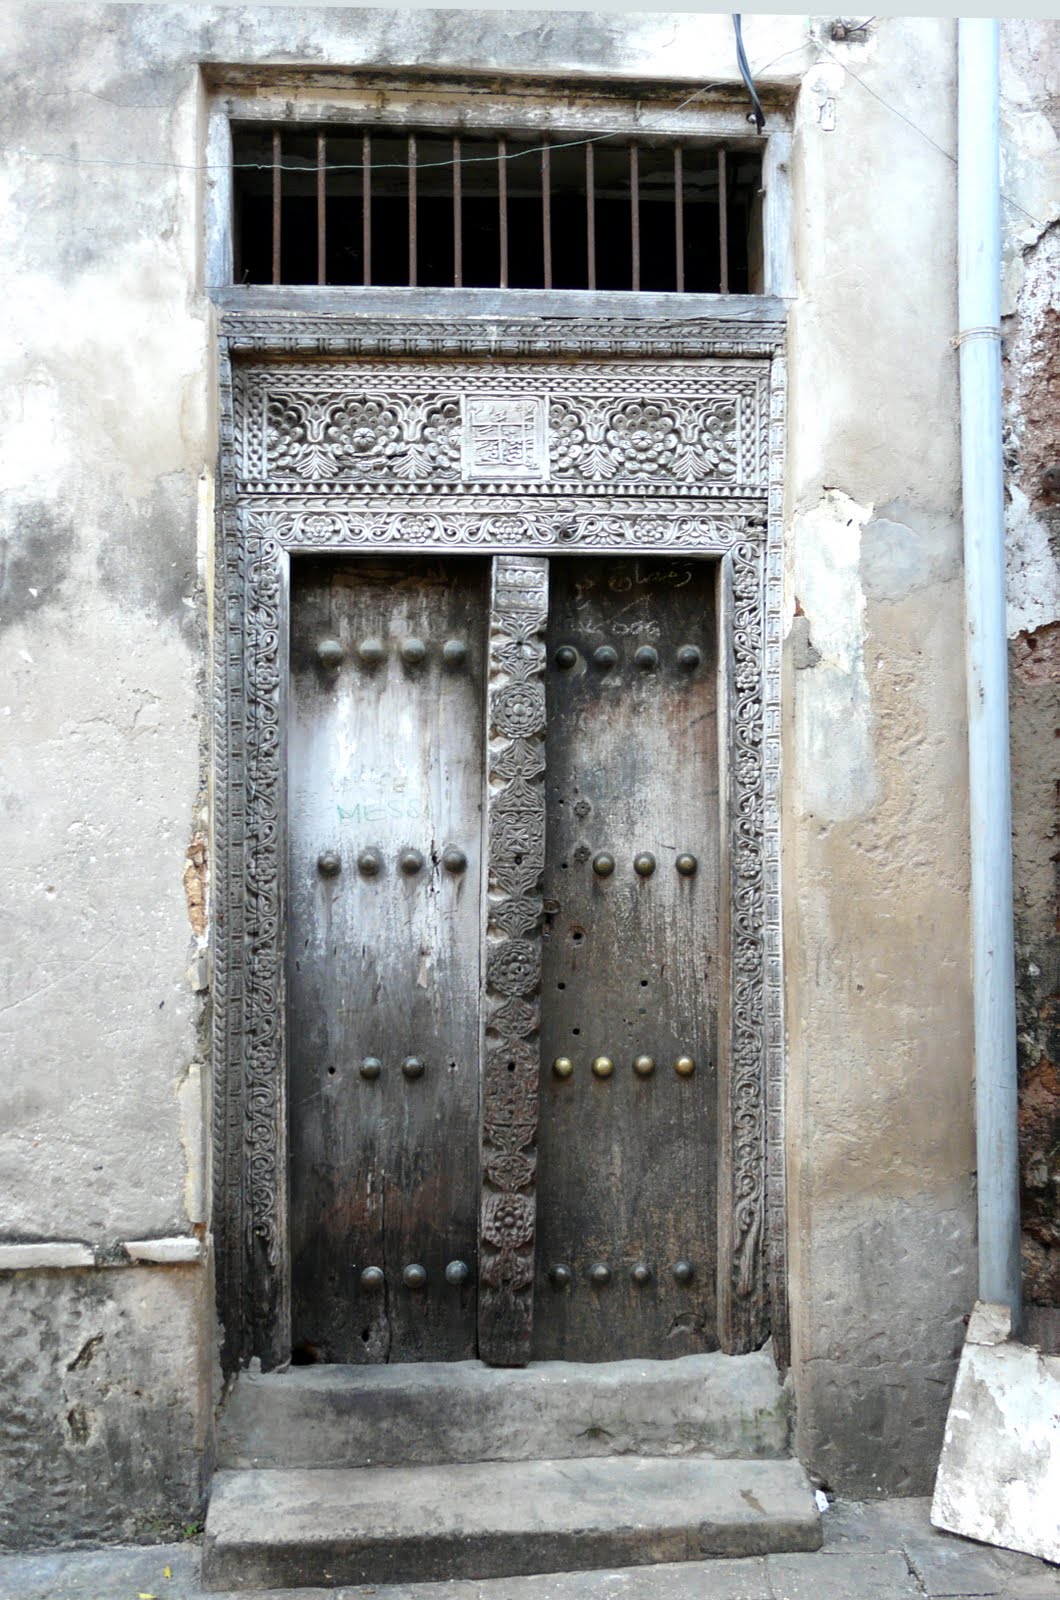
{"points": [[516, 862]]}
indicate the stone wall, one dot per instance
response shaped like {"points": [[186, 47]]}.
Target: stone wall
{"points": [[1031, 355], [109, 449]]}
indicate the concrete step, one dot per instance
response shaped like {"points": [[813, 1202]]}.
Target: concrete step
{"points": [[333, 1416], [374, 1525]]}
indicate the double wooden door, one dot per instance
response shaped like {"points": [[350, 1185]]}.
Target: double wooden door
{"points": [[396, 901]]}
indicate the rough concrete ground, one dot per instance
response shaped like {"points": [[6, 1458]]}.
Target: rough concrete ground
{"points": [[885, 1551]]}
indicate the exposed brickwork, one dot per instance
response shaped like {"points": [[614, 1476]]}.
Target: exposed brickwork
{"points": [[1032, 395]]}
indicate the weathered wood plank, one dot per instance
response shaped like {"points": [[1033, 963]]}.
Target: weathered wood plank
{"points": [[383, 959], [516, 832], [628, 1161]]}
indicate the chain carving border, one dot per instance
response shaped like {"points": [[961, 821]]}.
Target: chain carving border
{"points": [[740, 523]]}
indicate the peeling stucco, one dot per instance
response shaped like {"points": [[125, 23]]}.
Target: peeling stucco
{"points": [[836, 776]]}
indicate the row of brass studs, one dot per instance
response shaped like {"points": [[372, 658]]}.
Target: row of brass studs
{"points": [[370, 862], [605, 657], [562, 1276], [415, 1277], [603, 1066], [372, 653], [644, 864], [371, 1067]]}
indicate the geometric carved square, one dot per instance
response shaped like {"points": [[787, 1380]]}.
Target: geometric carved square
{"points": [[505, 439]]}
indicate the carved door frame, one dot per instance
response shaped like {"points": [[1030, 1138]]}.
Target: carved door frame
{"points": [[733, 514]]}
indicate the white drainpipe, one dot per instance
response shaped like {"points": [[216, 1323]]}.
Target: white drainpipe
{"points": [[979, 283]]}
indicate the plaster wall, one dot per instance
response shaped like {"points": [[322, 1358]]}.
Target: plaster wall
{"points": [[880, 1130], [108, 449]]}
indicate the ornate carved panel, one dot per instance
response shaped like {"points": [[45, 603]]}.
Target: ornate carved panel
{"points": [[664, 435], [515, 723], [318, 428]]}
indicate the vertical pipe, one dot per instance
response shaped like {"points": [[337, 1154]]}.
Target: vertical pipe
{"points": [[458, 219], [546, 211], [502, 207], [723, 223], [366, 206], [412, 209], [322, 211], [679, 218], [590, 217], [277, 201], [993, 953], [634, 214]]}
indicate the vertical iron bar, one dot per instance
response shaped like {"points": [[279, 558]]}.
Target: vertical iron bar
{"points": [[277, 202], [546, 211], [679, 217], [723, 222], [634, 212], [322, 223], [412, 210], [590, 216], [366, 206], [502, 206], [458, 240]]}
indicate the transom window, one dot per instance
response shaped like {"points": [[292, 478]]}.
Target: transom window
{"points": [[352, 205]]}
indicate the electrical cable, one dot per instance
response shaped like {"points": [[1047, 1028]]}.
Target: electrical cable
{"points": [[745, 73]]}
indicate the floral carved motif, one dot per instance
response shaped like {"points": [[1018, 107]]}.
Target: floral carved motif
{"points": [[646, 441], [516, 723], [322, 427]]}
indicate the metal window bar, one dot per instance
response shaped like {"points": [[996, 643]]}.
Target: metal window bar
{"points": [[322, 213], [277, 203], [634, 216], [502, 208], [366, 206], [412, 210], [723, 223], [546, 212], [590, 216], [679, 220], [458, 242]]}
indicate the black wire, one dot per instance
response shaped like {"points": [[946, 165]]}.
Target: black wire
{"points": [[745, 73]]}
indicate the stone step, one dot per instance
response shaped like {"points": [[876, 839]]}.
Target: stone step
{"points": [[334, 1416], [373, 1525]]}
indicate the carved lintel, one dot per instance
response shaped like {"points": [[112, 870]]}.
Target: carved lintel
{"points": [[516, 860]]}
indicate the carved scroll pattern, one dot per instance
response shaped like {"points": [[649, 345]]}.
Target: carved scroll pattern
{"points": [[746, 1135], [263, 976], [516, 863], [515, 524]]}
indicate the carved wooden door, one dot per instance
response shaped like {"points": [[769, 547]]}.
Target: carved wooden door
{"points": [[502, 958], [626, 1214], [385, 749]]}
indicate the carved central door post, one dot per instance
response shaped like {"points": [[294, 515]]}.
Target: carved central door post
{"points": [[515, 822]]}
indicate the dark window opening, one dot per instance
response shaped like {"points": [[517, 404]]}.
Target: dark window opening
{"points": [[347, 206]]}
